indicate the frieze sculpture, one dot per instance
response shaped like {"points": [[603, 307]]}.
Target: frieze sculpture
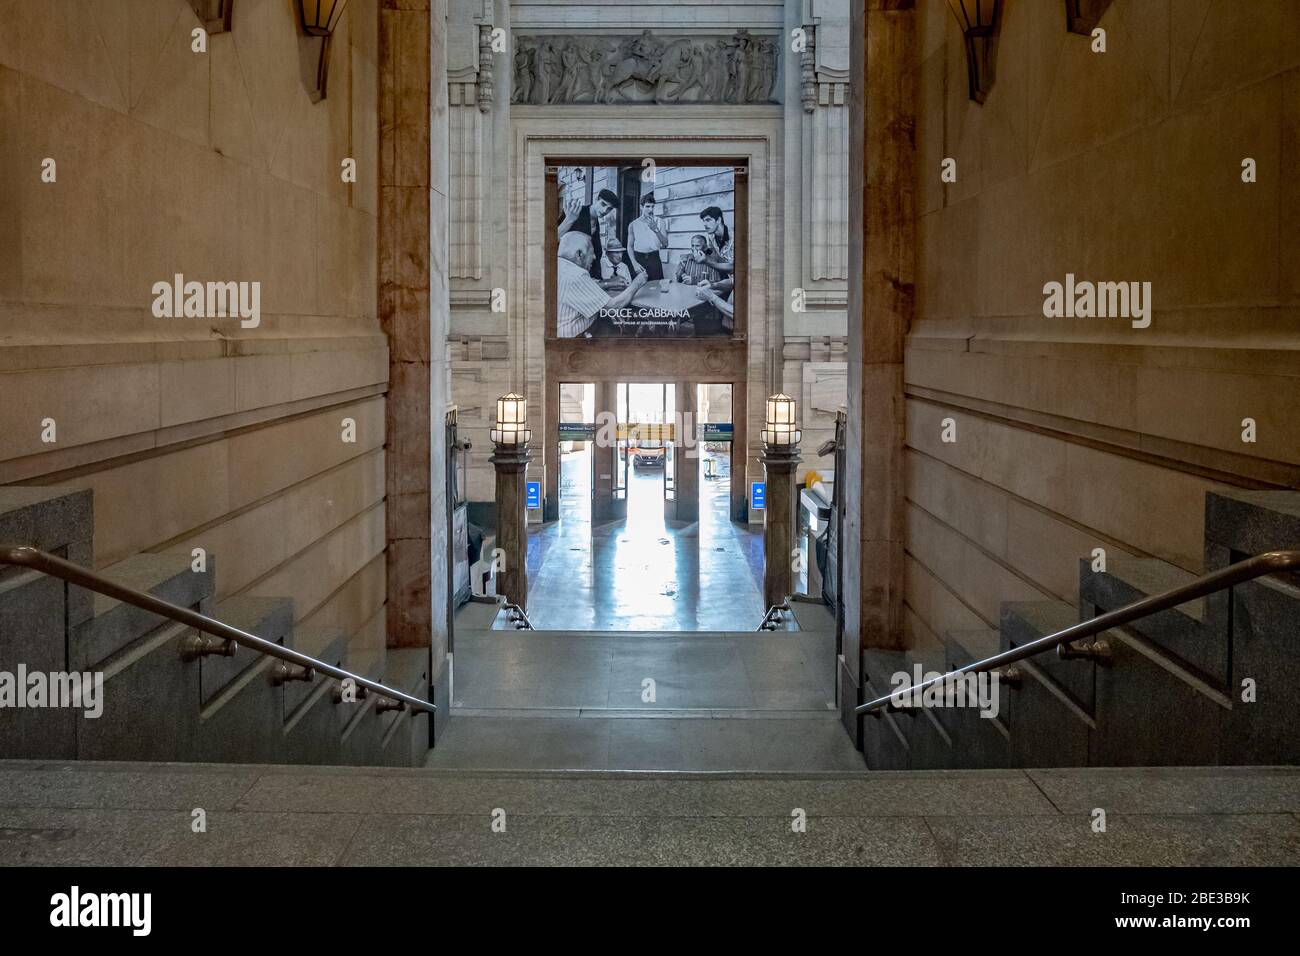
{"points": [[738, 69]]}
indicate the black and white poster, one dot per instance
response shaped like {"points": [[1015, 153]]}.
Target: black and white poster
{"points": [[645, 251]]}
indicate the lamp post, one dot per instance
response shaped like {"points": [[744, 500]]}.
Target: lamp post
{"points": [[510, 459], [780, 460]]}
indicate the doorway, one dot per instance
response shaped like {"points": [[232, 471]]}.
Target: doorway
{"points": [[715, 436], [576, 453], [645, 459]]}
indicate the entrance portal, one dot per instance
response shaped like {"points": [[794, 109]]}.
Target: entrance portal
{"points": [[621, 556]]}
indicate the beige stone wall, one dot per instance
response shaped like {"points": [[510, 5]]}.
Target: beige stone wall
{"points": [[197, 432], [1116, 166]]}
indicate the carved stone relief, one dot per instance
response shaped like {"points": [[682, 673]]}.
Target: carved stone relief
{"points": [[645, 69]]}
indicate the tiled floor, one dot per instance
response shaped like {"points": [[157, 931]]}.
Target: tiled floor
{"points": [[644, 573], [88, 814]]}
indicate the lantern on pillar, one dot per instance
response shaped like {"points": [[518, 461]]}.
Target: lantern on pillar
{"points": [[979, 21], [780, 430], [511, 428]]}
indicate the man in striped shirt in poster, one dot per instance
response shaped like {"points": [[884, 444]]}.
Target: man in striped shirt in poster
{"points": [[580, 298], [694, 269]]}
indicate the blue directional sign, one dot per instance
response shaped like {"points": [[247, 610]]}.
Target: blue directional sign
{"points": [[534, 495], [757, 496]]}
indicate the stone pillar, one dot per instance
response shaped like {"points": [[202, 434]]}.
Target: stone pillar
{"points": [[511, 464], [881, 264], [413, 310], [604, 457], [779, 465], [686, 455]]}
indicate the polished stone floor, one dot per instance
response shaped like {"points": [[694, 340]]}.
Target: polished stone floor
{"points": [[586, 740], [644, 573], [97, 814], [635, 701], [698, 671]]}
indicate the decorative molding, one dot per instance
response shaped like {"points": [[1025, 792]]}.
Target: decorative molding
{"points": [[213, 14], [1082, 16], [808, 71], [739, 69], [486, 86]]}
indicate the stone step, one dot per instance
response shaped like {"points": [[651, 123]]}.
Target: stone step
{"points": [[977, 741], [1240, 522], [116, 624], [1051, 711], [241, 708], [1186, 632], [886, 735], [313, 721], [270, 618], [1265, 666], [1234, 817]]}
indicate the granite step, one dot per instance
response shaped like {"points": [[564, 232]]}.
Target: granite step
{"points": [[978, 742], [115, 624], [1052, 708], [1186, 633], [1240, 523]]}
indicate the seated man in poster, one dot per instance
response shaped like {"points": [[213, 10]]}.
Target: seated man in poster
{"points": [[613, 270], [580, 300], [586, 221], [694, 269]]}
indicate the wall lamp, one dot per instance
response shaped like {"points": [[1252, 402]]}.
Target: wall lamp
{"points": [[318, 18], [979, 20]]}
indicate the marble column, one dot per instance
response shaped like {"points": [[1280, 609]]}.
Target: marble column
{"points": [[686, 456], [413, 310], [881, 290], [511, 464], [779, 465]]}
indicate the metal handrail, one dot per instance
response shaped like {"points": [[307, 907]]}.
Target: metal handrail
{"points": [[521, 615], [773, 615], [1259, 566], [28, 557]]}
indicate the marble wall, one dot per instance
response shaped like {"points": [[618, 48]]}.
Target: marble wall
{"points": [[1075, 433], [217, 165]]}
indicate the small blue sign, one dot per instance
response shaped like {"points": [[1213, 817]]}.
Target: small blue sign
{"points": [[534, 495], [757, 496]]}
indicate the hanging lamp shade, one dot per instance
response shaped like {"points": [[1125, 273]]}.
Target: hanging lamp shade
{"points": [[320, 17]]}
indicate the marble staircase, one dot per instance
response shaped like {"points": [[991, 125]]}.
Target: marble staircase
{"points": [[1212, 682], [156, 703]]}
